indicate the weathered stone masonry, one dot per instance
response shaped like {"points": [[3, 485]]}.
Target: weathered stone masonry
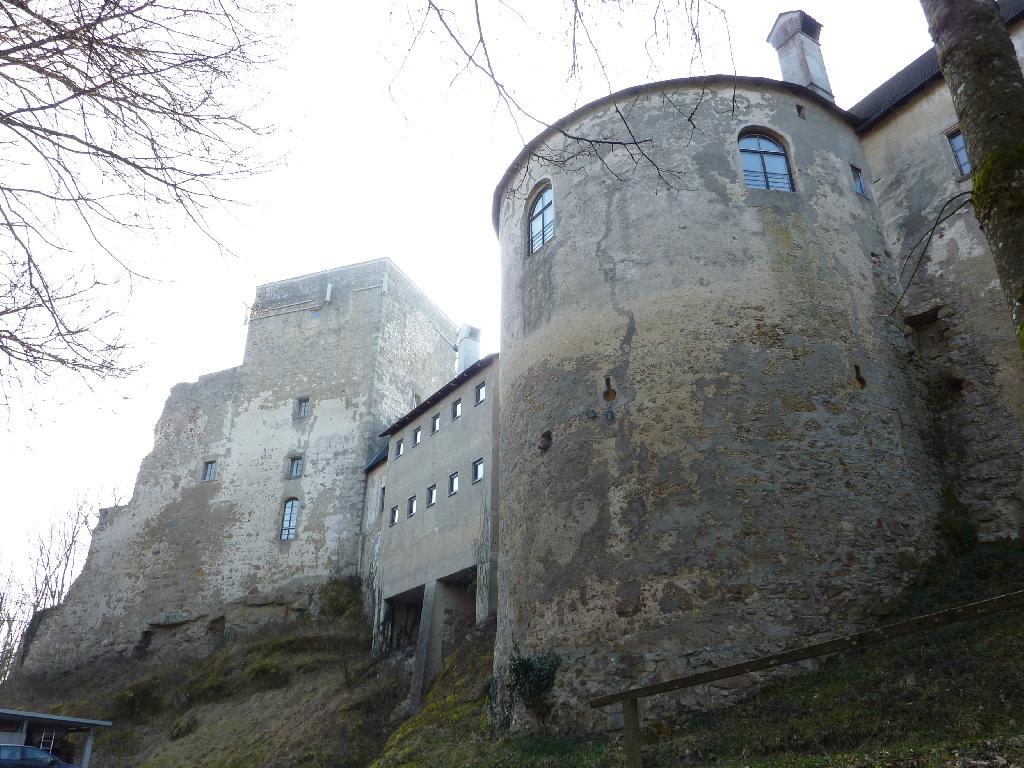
{"points": [[186, 561], [709, 434]]}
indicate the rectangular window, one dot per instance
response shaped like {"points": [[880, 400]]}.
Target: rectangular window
{"points": [[431, 495], [481, 393], [956, 143], [453, 483], [417, 436], [295, 466], [302, 408], [435, 423], [457, 409], [393, 520], [411, 507], [288, 519], [478, 470], [399, 448], [209, 470], [858, 181]]}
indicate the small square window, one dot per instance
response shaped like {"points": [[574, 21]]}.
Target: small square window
{"points": [[393, 519], [481, 393], [411, 507], [453, 483], [295, 466], [457, 409], [302, 408], [858, 181], [417, 436], [209, 470], [478, 470], [399, 448], [956, 143], [435, 423], [431, 495]]}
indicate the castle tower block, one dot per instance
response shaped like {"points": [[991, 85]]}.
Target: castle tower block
{"points": [[709, 449]]}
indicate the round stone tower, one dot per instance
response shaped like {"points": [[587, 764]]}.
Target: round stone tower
{"points": [[709, 447]]}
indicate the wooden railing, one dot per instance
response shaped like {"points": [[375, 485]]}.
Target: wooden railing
{"points": [[631, 698]]}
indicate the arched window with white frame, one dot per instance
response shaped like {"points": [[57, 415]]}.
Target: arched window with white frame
{"points": [[542, 219], [765, 164], [289, 519]]}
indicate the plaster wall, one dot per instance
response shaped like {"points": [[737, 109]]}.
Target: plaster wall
{"points": [[758, 473], [186, 561], [967, 365], [454, 533]]}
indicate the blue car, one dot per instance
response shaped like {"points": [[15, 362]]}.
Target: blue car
{"points": [[12, 756]]}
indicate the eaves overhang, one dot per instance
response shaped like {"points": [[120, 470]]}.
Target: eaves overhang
{"points": [[638, 90]]}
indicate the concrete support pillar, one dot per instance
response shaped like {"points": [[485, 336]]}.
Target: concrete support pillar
{"points": [[419, 670], [87, 752]]}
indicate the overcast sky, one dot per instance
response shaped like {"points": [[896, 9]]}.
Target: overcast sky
{"points": [[380, 159]]}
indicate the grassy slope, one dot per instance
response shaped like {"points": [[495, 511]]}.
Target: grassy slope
{"points": [[949, 697], [303, 694]]}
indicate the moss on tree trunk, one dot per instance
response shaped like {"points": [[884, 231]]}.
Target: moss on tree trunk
{"points": [[981, 69]]}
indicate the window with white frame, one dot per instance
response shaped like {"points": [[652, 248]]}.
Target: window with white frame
{"points": [[410, 508], [481, 392], [417, 436], [399, 448], [435, 423], [858, 181], [542, 219], [956, 143], [478, 470], [765, 165], [453, 483], [457, 409], [431, 495], [289, 519], [393, 518]]}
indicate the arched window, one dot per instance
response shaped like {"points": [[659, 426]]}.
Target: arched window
{"points": [[764, 163], [542, 219], [289, 519]]}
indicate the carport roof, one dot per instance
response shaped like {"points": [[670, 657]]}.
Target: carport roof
{"points": [[70, 723]]}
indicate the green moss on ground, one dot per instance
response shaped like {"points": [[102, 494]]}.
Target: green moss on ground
{"points": [[940, 698]]}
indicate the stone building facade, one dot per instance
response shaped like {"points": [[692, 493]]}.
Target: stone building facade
{"points": [[253, 494], [741, 444], [717, 427]]}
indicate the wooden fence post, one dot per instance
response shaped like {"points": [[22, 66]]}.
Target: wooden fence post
{"points": [[631, 733]]}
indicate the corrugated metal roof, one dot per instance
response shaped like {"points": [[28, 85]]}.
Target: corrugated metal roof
{"points": [[908, 81]]}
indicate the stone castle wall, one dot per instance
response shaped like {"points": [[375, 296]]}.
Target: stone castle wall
{"points": [[760, 473], [186, 561]]}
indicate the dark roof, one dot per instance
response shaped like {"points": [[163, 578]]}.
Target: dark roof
{"points": [[441, 394], [63, 721], [380, 457], [908, 81]]}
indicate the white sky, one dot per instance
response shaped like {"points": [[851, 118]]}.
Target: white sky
{"points": [[378, 165]]}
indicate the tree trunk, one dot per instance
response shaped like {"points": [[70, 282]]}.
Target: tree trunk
{"points": [[981, 69]]}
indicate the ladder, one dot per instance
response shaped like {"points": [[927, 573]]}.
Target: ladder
{"points": [[46, 740]]}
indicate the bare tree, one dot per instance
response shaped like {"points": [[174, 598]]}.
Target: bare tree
{"points": [[981, 69], [465, 26], [109, 111], [55, 555]]}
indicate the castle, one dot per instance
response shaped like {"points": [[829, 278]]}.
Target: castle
{"points": [[715, 428]]}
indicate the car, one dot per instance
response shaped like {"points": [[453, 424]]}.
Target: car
{"points": [[13, 756]]}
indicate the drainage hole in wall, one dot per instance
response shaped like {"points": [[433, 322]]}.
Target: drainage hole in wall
{"points": [[609, 393], [545, 440], [859, 377]]}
